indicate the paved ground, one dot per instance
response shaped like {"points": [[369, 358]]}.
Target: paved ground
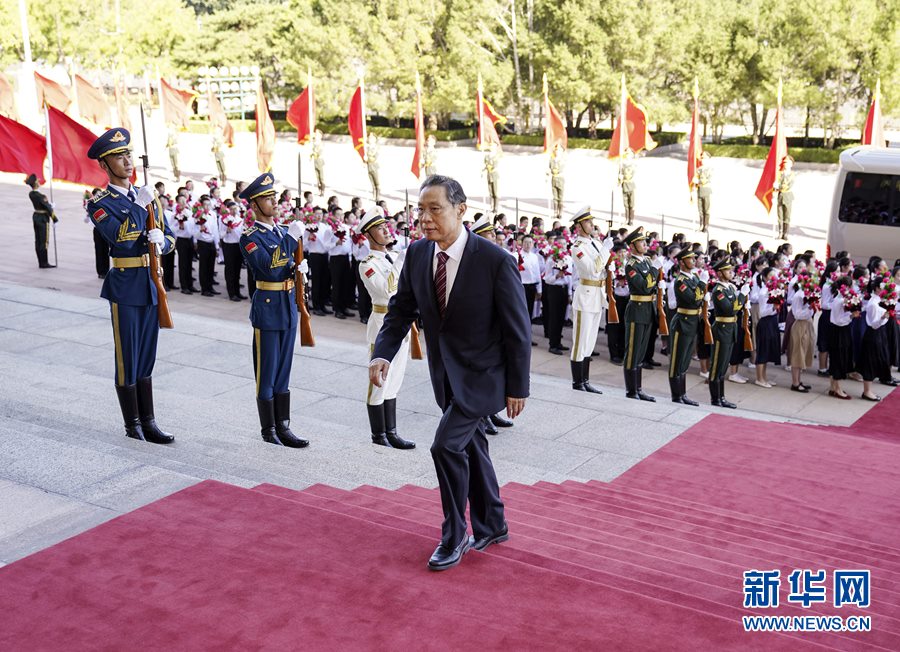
{"points": [[65, 466]]}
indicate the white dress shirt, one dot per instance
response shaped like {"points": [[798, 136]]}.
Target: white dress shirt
{"points": [[766, 309], [532, 272], [827, 296], [799, 307], [313, 241], [876, 316], [455, 253], [839, 316]]}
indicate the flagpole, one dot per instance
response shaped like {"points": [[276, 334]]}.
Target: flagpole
{"points": [[50, 177]]}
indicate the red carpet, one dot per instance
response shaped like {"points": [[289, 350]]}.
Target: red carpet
{"points": [[651, 561]]}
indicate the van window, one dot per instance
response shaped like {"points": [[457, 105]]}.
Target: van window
{"points": [[871, 199]]}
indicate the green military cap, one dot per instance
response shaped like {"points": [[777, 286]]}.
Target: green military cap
{"points": [[723, 265], [582, 214], [686, 252], [634, 236]]}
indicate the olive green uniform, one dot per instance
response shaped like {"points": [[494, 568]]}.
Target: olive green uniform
{"points": [[319, 165], [785, 200], [640, 312], [219, 155], [172, 146], [727, 305], [493, 180], [372, 166], [704, 193], [626, 180], [685, 323], [557, 183], [430, 161]]}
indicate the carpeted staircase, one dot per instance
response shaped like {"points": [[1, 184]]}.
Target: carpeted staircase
{"points": [[651, 561]]}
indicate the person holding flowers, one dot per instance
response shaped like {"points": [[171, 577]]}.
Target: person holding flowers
{"points": [[770, 296]]}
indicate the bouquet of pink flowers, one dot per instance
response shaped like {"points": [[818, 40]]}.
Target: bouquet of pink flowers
{"points": [[888, 292], [619, 277], [812, 293], [851, 299], [742, 275], [777, 287], [558, 256]]}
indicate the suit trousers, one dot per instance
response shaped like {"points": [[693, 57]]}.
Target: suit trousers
{"points": [[557, 300], [101, 253], [530, 295], [321, 279], [339, 267], [184, 247], [231, 251], [206, 266], [465, 471], [135, 334], [273, 353]]}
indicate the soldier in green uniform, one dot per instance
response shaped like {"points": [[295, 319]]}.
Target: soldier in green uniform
{"points": [[429, 161], [557, 180], [43, 214], [318, 161], [727, 305], [640, 313], [172, 146], [626, 180], [784, 187], [372, 166], [491, 170], [703, 179], [219, 155], [690, 293]]}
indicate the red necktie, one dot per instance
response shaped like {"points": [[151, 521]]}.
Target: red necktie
{"points": [[440, 282]]}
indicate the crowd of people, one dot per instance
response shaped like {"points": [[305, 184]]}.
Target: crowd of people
{"points": [[838, 312]]}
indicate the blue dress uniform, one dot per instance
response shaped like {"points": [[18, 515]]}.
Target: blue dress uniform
{"points": [[269, 253], [131, 293]]}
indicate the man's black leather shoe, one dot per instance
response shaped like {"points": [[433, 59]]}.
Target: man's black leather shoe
{"points": [[555, 351], [500, 422], [489, 427], [445, 557], [499, 537]]}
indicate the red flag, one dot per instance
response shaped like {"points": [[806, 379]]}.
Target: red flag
{"points": [[555, 126], [487, 118], [774, 161], [68, 146], [302, 114], [175, 103], [265, 132], [51, 93], [121, 107], [21, 149], [873, 132], [636, 134], [356, 121], [91, 102], [695, 144], [7, 98], [219, 118], [420, 131]]}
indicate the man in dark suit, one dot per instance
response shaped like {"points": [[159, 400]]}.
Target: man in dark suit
{"points": [[470, 299]]}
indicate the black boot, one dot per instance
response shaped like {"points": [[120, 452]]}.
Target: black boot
{"points": [[489, 427], [637, 384], [152, 433], [630, 391], [722, 401], [376, 424], [577, 375], [502, 422], [586, 375], [682, 386], [714, 395], [128, 403], [675, 388], [283, 422], [266, 408], [390, 426]]}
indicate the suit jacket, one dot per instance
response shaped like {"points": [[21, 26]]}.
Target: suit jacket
{"points": [[481, 350]]}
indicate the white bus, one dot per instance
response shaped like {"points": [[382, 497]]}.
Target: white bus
{"points": [[865, 211]]}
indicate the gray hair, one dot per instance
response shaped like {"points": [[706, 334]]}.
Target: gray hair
{"points": [[455, 194]]}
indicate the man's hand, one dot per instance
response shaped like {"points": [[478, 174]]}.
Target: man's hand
{"points": [[295, 230], [156, 236], [514, 406], [145, 195], [378, 371]]}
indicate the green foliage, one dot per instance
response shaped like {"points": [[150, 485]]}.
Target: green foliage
{"points": [[800, 154]]}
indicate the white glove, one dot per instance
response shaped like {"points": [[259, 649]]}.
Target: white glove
{"points": [[612, 268], [706, 297], [399, 255], [295, 230], [745, 290], [663, 285], [657, 263], [156, 236], [144, 196], [303, 267], [704, 275], [607, 244]]}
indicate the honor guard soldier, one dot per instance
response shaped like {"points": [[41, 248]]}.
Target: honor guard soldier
{"points": [[727, 305], [703, 180], [784, 187], [557, 180], [269, 250], [172, 146], [219, 155], [492, 172], [689, 287], [640, 313], [429, 159], [119, 213], [380, 272], [372, 166], [318, 159], [41, 217], [590, 260], [626, 180]]}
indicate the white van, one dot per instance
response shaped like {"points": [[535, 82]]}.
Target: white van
{"points": [[865, 211]]}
